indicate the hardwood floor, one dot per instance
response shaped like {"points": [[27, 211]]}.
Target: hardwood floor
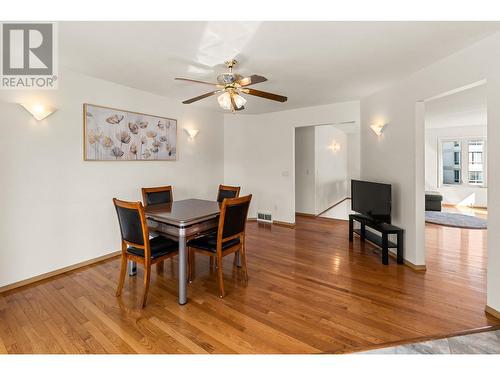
{"points": [[307, 293]]}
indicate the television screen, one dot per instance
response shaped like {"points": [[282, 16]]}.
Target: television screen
{"points": [[371, 199]]}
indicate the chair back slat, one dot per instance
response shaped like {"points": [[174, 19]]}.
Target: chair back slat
{"points": [[157, 195], [234, 216], [227, 192], [131, 221]]}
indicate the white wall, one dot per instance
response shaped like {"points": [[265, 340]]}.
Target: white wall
{"points": [[321, 174], [305, 184], [464, 195], [259, 153], [56, 208], [353, 158], [331, 167], [397, 156]]}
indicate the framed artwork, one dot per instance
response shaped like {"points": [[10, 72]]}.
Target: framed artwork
{"points": [[115, 134]]}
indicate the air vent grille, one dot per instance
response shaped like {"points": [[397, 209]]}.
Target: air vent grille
{"points": [[265, 217]]}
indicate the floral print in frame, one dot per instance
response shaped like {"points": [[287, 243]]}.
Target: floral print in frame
{"points": [[114, 134]]}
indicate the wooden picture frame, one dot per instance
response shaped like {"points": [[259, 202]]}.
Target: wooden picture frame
{"points": [[111, 134]]}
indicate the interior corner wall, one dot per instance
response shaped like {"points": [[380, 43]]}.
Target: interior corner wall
{"points": [[57, 209], [353, 158], [493, 90], [259, 153], [392, 157], [305, 167]]}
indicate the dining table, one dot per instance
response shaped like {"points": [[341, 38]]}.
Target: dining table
{"points": [[182, 220]]}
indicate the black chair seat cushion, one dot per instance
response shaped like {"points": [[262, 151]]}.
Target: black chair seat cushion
{"points": [[209, 242], [160, 246]]}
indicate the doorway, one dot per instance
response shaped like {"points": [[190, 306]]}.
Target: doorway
{"points": [[327, 157], [456, 160]]}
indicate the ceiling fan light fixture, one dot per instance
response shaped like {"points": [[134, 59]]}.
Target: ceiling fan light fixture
{"points": [[230, 85], [225, 101], [239, 100]]}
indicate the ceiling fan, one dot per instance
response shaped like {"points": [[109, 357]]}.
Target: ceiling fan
{"points": [[230, 86]]}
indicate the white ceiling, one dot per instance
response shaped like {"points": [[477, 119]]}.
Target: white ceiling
{"points": [[465, 108], [312, 63]]}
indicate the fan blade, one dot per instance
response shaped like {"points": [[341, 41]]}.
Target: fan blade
{"points": [[265, 95], [252, 80], [196, 81], [195, 99]]}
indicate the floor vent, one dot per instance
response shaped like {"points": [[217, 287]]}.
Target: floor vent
{"points": [[265, 217]]}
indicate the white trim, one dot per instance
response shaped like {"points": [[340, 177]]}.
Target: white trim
{"points": [[456, 91]]}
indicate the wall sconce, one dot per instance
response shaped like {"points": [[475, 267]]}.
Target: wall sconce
{"points": [[378, 128], [38, 111], [335, 147], [192, 133]]}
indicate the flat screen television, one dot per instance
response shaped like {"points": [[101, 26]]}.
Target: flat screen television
{"points": [[371, 199]]}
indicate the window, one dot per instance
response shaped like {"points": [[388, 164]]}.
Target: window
{"points": [[471, 172], [451, 162], [476, 178], [476, 167], [475, 157]]}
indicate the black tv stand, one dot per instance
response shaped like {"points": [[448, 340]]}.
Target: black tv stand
{"points": [[381, 240]]}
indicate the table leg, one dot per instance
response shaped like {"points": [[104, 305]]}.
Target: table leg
{"points": [[362, 232], [182, 270], [400, 248], [385, 249], [351, 228], [132, 268], [237, 259]]}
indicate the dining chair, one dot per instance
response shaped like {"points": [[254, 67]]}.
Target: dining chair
{"points": [[223, 192], [157, 195], [227, 192], [136, 244], [229, 238]]}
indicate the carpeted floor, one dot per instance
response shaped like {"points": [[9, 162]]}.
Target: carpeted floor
{"points": [[453, 219]]}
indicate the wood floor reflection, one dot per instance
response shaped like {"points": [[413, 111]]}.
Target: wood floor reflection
{"points": [[308, 292]]}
